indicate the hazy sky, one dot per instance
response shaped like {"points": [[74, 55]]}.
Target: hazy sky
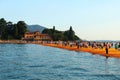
{"points": [[90, 19]]}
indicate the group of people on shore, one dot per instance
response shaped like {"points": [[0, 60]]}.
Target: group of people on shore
{"points": [[92, 44], [82, 44]]}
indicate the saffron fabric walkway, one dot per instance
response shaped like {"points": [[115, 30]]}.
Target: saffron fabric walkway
{"points": [[112, 51]]}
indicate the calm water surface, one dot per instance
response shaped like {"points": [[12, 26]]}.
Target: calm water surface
{"points": [[35, 62]]}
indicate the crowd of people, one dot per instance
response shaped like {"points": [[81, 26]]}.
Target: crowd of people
{"points": [[89, 44], [92, 44]]}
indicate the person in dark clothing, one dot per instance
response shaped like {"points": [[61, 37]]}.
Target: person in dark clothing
{"points": [[106, 48]]}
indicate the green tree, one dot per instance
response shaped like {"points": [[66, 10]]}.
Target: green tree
{"points": [[56, 35], [53, 29], [9, 29], [47, 31], [66, 36], [3, 28], [15, 31], [71, 34], [22, 28], [77, 38]]}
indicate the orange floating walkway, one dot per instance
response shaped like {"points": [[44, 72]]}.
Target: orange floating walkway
{"points": [[112, 52]]}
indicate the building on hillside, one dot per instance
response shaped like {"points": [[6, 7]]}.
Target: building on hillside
{"points": [[36, 36]]}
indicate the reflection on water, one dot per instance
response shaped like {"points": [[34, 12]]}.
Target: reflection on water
{"points": [[35, 62], [106, 66]]}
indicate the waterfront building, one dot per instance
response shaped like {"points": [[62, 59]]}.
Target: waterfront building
{"points": [[36, 36]]}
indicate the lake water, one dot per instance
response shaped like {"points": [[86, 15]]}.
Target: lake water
{"points": [[36, 62]]}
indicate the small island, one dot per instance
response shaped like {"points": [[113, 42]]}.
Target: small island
{"points": [[20, 31]]}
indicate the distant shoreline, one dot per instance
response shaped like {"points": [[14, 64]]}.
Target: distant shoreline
{"points": [[12, 42], [18, 42], [112, 52]]}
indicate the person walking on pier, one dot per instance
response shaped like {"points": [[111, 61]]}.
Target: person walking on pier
{"points": [[107, 47]]}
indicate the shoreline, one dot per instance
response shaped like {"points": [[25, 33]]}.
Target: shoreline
{"points": [[112, 52], [18, 42]]}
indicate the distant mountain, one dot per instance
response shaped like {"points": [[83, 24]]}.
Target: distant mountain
{"points": [[33, 28]]}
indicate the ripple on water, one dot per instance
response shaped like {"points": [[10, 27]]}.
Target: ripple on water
{"points": [[58, 66], [78, 69], [101, 77], [35, 62], [37, 66]]}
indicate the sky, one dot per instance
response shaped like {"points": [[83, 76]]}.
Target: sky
{"points": [[90, 19]]}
